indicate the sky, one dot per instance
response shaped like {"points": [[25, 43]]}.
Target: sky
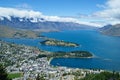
{"points": [[95, 12], [56, 7]]}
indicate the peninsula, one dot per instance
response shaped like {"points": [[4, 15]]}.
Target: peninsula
{"points": [[54, 42], [71, 54]]}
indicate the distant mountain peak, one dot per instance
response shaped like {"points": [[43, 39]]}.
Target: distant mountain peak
{"points": [[36, 16], [40, 23], [34, 20], [113, 30]]}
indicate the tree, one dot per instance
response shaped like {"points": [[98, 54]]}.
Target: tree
{"points": [[103, 76], [3, 73], [40, 77]]}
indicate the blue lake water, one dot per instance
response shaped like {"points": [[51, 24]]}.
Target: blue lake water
{"points": [[106, 49]]}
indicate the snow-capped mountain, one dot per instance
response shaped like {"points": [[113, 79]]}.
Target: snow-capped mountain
{"points": [[40, 23], [28, 19]]}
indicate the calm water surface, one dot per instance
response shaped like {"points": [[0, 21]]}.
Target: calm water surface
{"points": [[106, 49]]}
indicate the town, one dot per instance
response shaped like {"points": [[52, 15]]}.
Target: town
{"points": [[24, 60]]}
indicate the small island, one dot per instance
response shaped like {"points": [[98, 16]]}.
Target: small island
{"points": [[72, 54], [53, 42]]}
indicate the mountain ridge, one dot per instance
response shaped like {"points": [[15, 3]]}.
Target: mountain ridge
{"points": [[112, 30], [26, 23], [9, 32]]}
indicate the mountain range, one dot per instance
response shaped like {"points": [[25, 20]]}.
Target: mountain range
{"points": [[41, 24], [112, 30], [20, 21], [31, 27], [22, 27]]}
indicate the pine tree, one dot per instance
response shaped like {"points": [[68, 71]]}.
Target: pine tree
{"points": [[40, 77], [3, 73]]}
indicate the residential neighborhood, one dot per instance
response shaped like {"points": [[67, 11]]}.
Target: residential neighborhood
{"points": [[23, 59]]}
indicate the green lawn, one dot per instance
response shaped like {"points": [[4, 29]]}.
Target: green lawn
{"points": [[15, 75]]}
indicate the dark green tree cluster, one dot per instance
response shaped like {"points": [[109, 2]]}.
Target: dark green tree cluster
{"points": [[103, 76], [40, 77], [71, 54], [3, 73]]}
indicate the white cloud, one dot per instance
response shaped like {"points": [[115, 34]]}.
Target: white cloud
{"points": [[100, 6], [23, 6], [111, 12], [35, 15], [109, 15], [113, 4], [7, 12]]}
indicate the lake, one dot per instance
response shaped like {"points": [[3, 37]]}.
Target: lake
{"points": [[106, 49]]}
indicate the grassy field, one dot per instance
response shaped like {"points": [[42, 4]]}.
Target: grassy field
{"points": [[15, 75]]}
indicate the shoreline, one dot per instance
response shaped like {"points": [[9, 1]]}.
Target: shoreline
{"points": [[54, 42], [64, 57], [49, 61], [94, 69]]}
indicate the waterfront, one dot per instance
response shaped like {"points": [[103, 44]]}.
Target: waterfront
{"points": [[106, 49], [25, 61]]}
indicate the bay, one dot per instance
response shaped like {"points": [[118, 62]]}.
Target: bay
{"points": [[106, 49]]}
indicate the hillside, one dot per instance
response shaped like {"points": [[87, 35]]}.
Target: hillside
{"points": [[103, 76], [41, 24], [113, 30], [8, 32], [35, 20]]}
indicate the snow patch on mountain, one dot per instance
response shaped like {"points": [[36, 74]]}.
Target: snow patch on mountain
{"points": [[36, 16]]}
